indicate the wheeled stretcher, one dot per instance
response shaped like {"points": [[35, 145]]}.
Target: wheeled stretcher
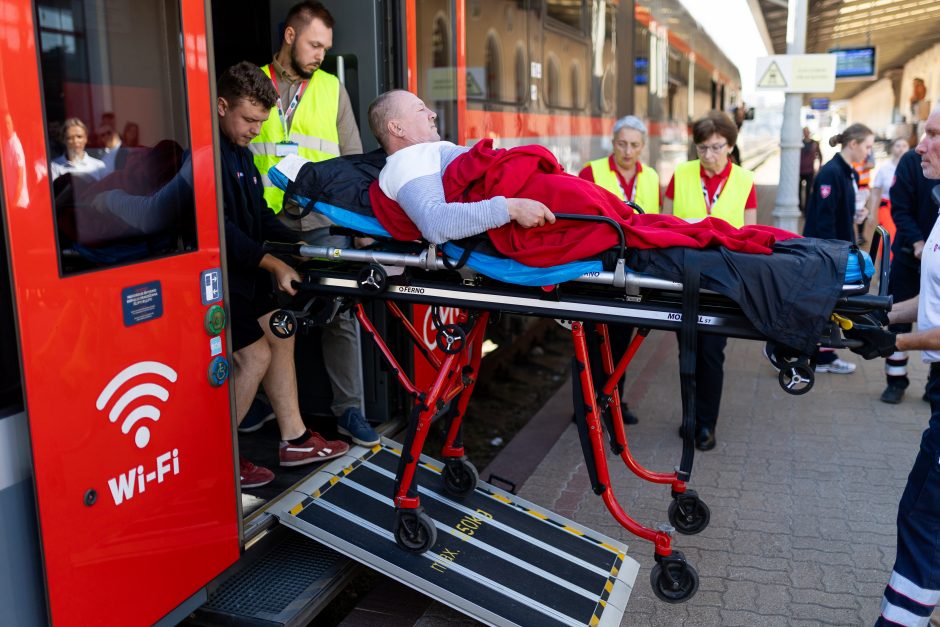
{"points": [[584, 296]]}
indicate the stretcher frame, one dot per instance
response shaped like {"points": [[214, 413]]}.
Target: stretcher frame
{"points": [[347, 276]]}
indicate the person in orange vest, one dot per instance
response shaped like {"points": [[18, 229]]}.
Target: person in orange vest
{"points": [[621, 173], [864, 169], [711, 186]]}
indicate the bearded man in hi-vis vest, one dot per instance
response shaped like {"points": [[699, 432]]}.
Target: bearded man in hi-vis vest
{"points": [[313, 118]]}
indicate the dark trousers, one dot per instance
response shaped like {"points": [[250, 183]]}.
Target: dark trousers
{"points": [[620, 336], [709, 378], [914, 587], [806, 188]]}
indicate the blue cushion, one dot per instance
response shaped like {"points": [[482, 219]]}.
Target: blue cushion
{"points": [[853, 273]]}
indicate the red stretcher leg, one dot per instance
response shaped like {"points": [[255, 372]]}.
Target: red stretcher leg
{"points": [[597, 465], [687, 512]]}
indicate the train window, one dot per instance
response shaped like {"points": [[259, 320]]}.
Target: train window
{"points": [[492, 65], [553, 83], [115, 105], [437, 75], [522, 76], [567, 12], [576, 99]]}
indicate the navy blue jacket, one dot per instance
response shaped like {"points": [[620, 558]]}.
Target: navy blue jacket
{"points": [[248, 219], [830, 210], [912, 208]]}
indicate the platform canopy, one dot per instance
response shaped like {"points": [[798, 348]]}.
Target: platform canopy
{"points": [[898, 29]]}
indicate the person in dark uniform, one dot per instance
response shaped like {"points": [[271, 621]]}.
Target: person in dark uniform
{"points": [[809, 156], [244, 103], [913, 590], [914, 214], [830, 210]]}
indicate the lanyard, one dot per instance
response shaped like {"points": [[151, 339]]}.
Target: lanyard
{"points": [[632, 196], [710, 202], [621, 181], [285, 115]]}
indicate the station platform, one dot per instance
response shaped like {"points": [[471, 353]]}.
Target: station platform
{"points": [[803, 490]]}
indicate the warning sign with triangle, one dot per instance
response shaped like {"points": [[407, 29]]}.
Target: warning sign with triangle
{"points": [[772, 77]]}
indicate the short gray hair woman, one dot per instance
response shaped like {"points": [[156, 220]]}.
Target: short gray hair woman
{"points": [[631, 122]]}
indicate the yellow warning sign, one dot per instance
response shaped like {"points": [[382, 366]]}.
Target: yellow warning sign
{"points": [[796, 73], [772, 77]]}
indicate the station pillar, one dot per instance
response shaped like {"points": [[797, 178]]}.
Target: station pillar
{"points": [[787, 209]]}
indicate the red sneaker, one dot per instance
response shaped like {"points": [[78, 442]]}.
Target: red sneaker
{"points": [[314, 449], [253, 476]]}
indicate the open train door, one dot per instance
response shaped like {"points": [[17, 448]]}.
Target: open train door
{"points": [[116, 278]]}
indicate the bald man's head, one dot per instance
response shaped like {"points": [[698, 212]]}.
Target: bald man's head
{"points": [[399, 119], [381, 111]]}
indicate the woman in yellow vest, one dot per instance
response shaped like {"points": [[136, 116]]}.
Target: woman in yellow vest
{"points": [[711, 186], [621, 173]]}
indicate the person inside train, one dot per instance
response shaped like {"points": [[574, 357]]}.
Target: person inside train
{"points": [[621, 173], [711, 186], [76, 161], [245, 99], [313, 117]]}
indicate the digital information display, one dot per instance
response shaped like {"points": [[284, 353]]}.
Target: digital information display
{"points": [[855, 62]]}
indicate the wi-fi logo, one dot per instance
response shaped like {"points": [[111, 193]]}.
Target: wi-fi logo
{"points": [[141, 390]]}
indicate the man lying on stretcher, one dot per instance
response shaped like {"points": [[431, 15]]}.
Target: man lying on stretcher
{"points": [[443, 192], [440, 192]]}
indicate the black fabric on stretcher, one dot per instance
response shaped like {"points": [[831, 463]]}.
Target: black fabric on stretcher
{"points": [[343, 182], [787, 296]]}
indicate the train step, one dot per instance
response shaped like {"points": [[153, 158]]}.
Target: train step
{"points": [[497, 558], [285, 579]]}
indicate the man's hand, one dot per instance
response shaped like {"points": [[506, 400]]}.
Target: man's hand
{"points": [[284, 275], [528, 213], [918, 248]]}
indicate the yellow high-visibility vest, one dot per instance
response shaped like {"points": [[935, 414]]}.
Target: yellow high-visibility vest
{"points": [[689, 201], [646, 185], [313, 129]]}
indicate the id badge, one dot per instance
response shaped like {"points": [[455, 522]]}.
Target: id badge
{"points": [[282, 149]]}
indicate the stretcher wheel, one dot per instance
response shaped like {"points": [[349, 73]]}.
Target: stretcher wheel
{"points": [[415, 531], [451, 338], [673, 579], [796, 378], [460, 477], [373, 278], [283, 323], [688, 513]]}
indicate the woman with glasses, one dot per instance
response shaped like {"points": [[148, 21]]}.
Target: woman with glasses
{"points": [[621, 173], [830, 210], [711, 186]]}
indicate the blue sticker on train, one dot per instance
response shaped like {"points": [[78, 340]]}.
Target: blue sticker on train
{"points": [[142, 302]]}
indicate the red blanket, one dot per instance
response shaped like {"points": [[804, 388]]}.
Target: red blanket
{"points": [[533, 172]]}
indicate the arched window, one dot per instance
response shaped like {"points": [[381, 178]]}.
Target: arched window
{"points": [[493, 68], [440, 44], [576, 99], [522, 76], [553, 83]]}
